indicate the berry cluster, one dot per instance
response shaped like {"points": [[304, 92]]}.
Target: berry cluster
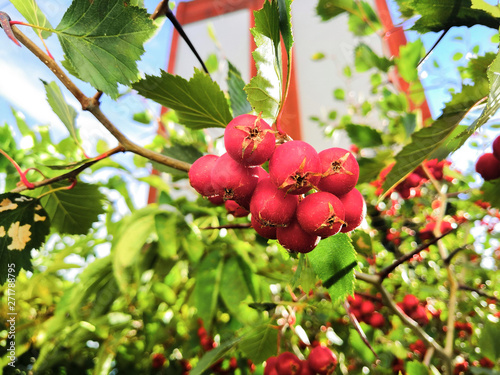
{"points": [[488, 164], [412, 307], [463, 329], [365, 311], [280, 201], [409, 187], [321, 361]]}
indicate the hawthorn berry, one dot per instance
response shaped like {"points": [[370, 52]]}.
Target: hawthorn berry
{"points": [[200, 175], [367, 307], [321, 214], [496, 147], [295, 167], [270, 368], [266, 231], [355, 210], [322, 360], [410, 303], [235, 209], [288, 364], [340, 171], [376, 320], [295, 239], [249, 140], [232, 180], [158, 360], [488, 166]]}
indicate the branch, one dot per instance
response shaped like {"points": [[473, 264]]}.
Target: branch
{"points": [[231, 226], [448, 259], [92, 105], [479, 291], [386, 271]]}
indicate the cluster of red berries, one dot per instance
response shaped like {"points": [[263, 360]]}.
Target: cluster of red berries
{"points": [[412, 307], [463, 329], [488, 164], [408, 188], [418, 348], [427, 232], [366, 311], [277, 200], [321, 361]]}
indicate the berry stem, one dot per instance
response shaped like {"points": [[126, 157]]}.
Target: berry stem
{"points": [[22, 174]]}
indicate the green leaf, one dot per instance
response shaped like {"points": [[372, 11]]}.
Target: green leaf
{"points": [[369, 168], [198, 103], [489, 339], [362, 242], [233, 289], [429, 140], [102, 40], [491, 192], [33, 14], [358, 23], [442, 15], [328, 9], [409, 57], [416, 368], [264, 90], [285, 17], [24, 224], [237, 95], [165, 224], [144, 117], [365, 59], [214, 355], [208, 282], [181, 152], [63, 110], [333, 261], [364, 136], [73, 211], [339, 94], [260, 343]]}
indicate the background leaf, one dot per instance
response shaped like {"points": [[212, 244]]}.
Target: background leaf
{"points": [[111, 33], [199, 103], [237, 95], [33, 14], [333, 261], [24, 224], [260, 343], [364, 136], [73, 211], [214, 355]]}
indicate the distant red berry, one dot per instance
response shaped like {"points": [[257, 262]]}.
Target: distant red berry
{"points": [[322, 360], [288, 364], [496, 147], [488, 166], [376, 320], [410, 303], [158, 360]]}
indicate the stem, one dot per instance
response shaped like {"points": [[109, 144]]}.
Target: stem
{"points": [[92, 105], [231, 226], [432, 48], [22, 175]]}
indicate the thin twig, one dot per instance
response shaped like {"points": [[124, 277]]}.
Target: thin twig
{"points": [[479, 291], [432, 48], [231, 226], [448, 259]]}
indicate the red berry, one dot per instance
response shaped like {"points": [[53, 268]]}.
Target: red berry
{"points": [[158, 360], [367, 307], [249, 140], [376, 320], [200, 175], [413, 180], [355, 301], [295, 167], [232, 180], [420, 315], [461, 368], [295, 239], [488, 166], [410, 303], [321, 214], [322, 360], [202, 332], [486, 362], [288, 364], [266, 231], [355, 210], [272, 206], [235, 209], [306, 370], [216, 200], [340, 171], [496, 147], [270, 368]]}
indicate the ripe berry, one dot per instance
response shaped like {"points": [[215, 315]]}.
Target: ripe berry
{"points": [[200, 175], [232, 180], [306, 370], [295, 167], [376, 320], [270, 368], [488, 166], [461, 368], [249, 140], [295, 239], [288, 364], [322, 360], [420, 315], [355, 301], [321, 214], [272, 206], [235, 209], [410, 303], [496, 147], [266, 231], [367, 307], [355, 210], [340, 171], [158, 360]]}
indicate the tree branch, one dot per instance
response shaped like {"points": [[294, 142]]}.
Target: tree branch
{"points": [[478, 291], [92, 105]]}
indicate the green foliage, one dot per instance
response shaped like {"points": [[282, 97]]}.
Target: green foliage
{"points": [[199, 103], [33, 14], [110, 32], [236, 84]]}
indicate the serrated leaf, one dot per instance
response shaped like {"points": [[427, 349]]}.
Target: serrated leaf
{"points": [[328, 9], [233, 289], [428, 141], [362, 242], [181, 152], [214, 355], [416, 368], [24, 224], [260, 343], [410, 55], [285, 16], [494, 10], [198, 103], [102, 40], [366, 59], [206, 290], [73, 211], [237, 95], [264, 90], [491, 192], [33, 14], [65, 112], [334, 261], [363, 136]]}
